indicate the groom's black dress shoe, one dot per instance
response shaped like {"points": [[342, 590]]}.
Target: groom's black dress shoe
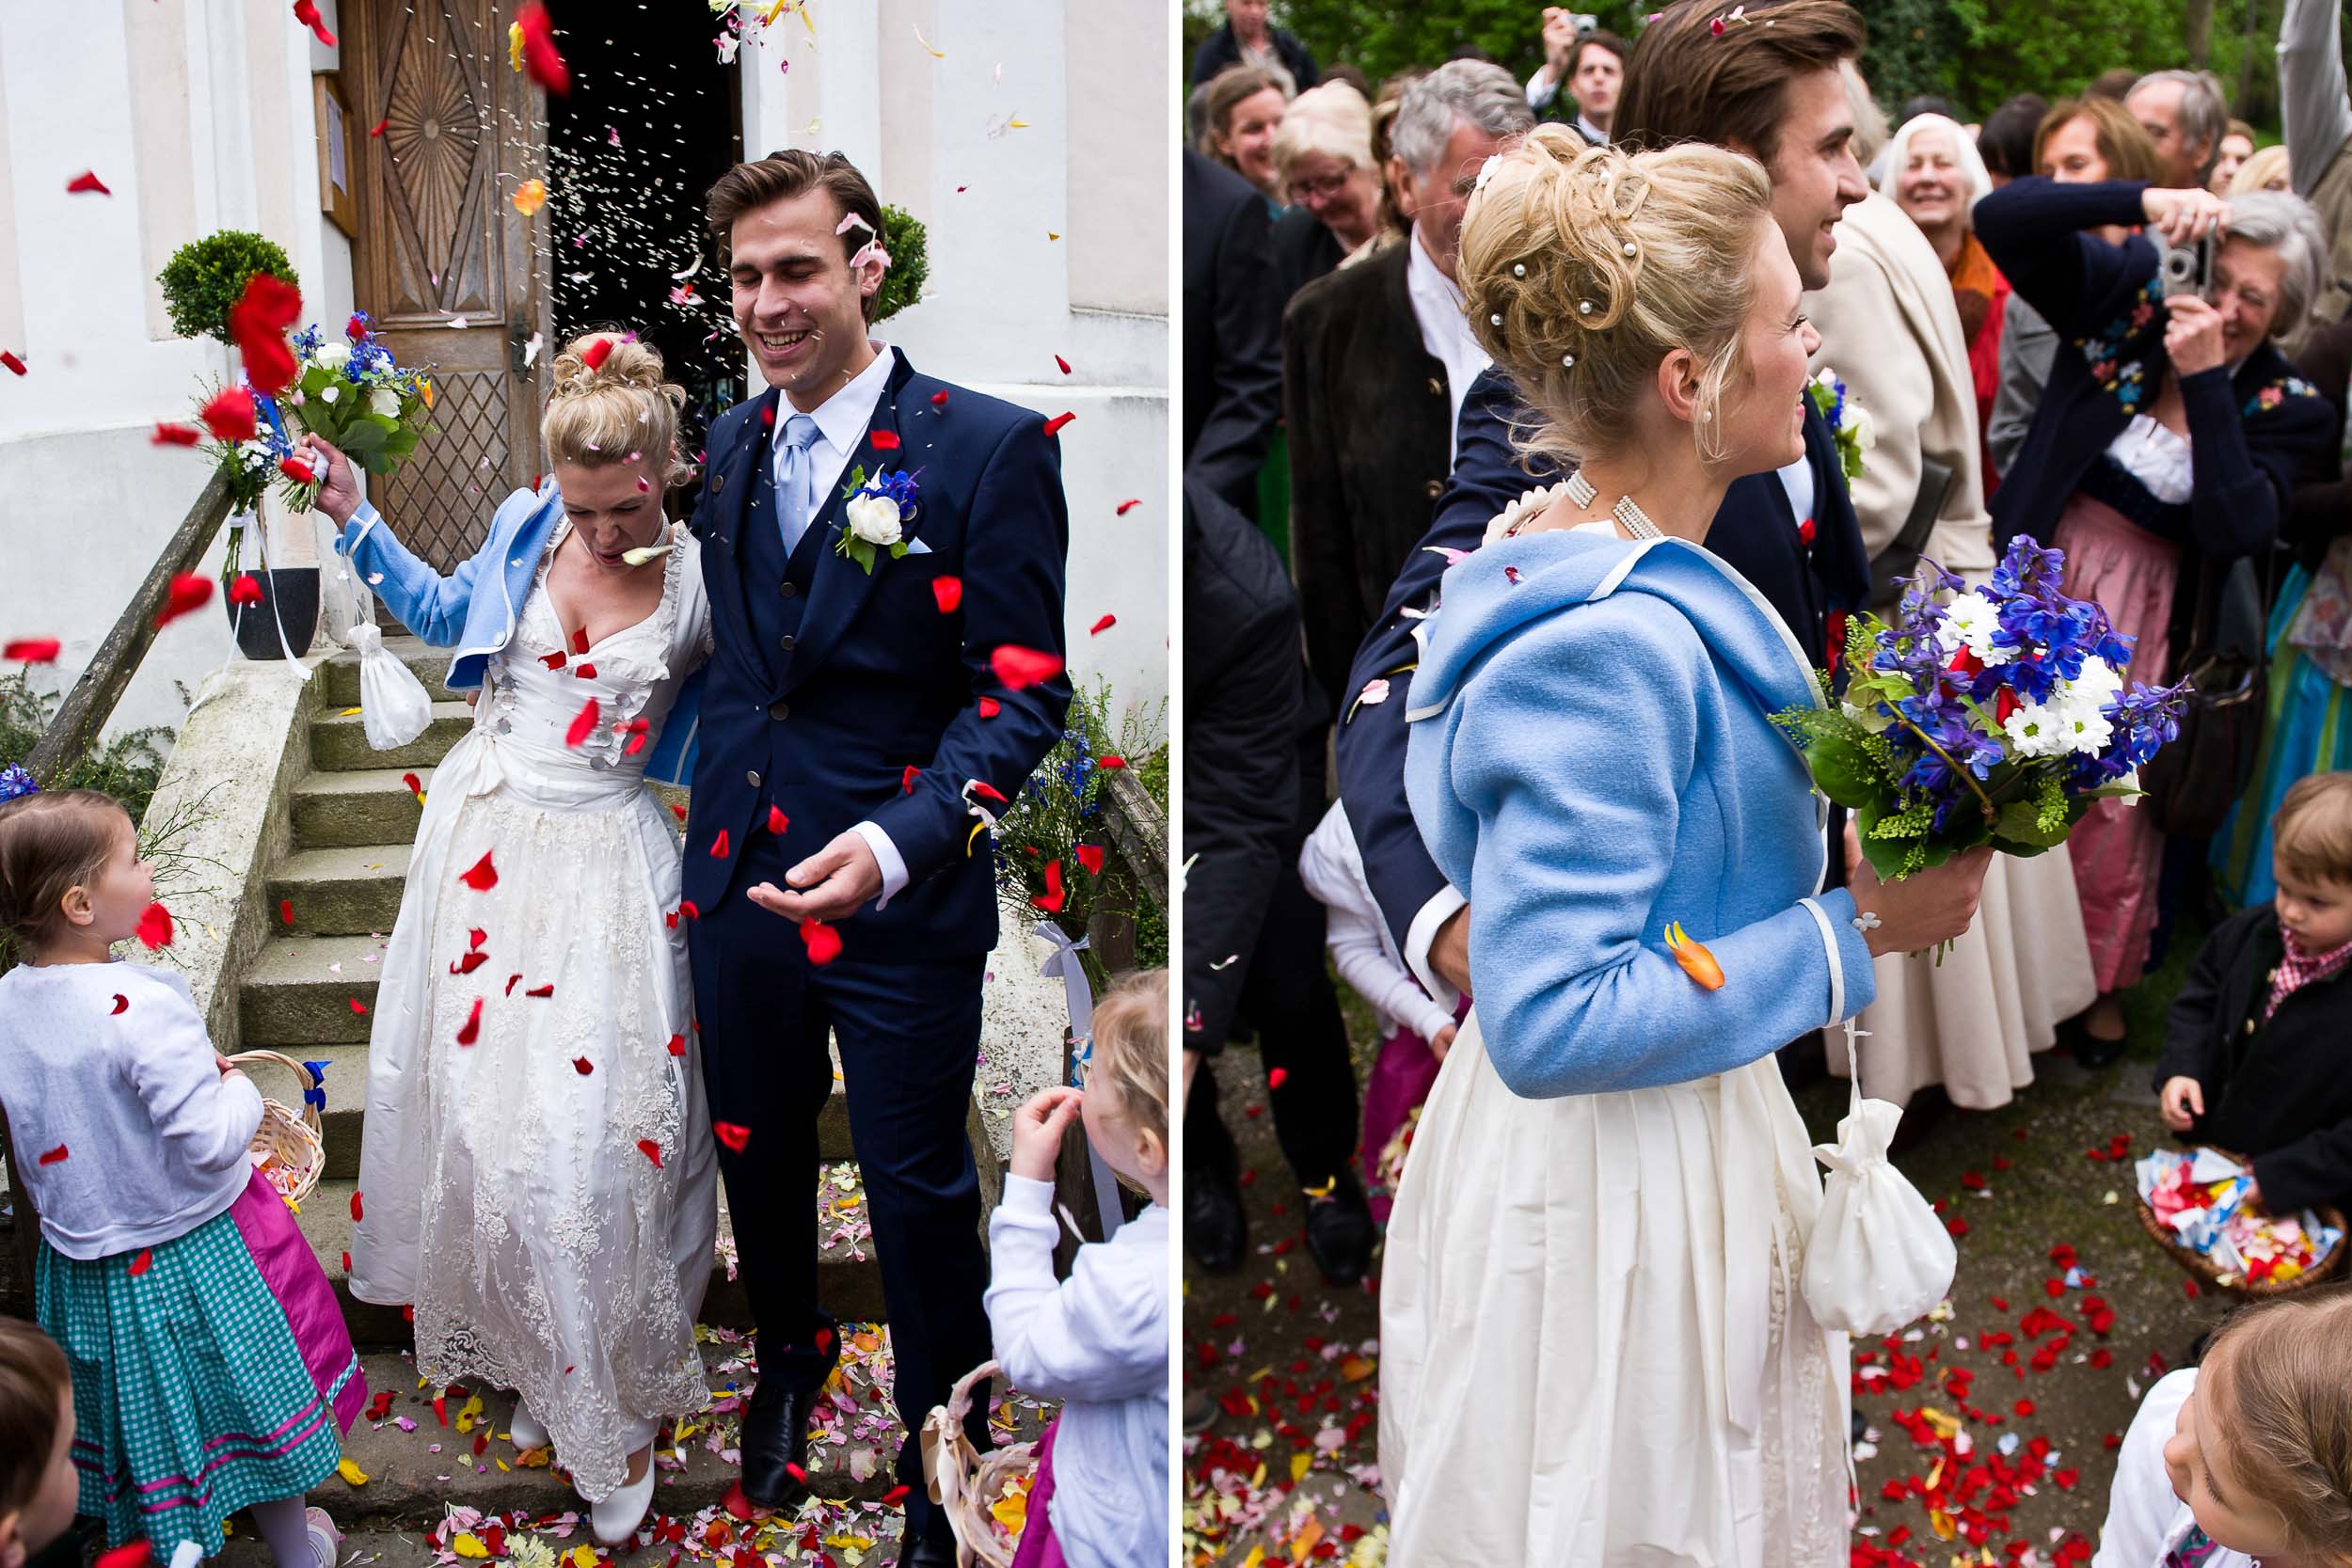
{"points": [[1216, 1232], [927, 1554], [1340, 1231], [775, 1439]]}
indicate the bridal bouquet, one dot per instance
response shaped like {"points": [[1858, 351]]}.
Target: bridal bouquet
{"points": [[351, 392], [1981, 716]]}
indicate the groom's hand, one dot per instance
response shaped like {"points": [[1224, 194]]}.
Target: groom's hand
{"points": [[831, 884]]}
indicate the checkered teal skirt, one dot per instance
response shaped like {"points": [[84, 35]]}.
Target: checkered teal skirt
{"points": [[210, 1372]]}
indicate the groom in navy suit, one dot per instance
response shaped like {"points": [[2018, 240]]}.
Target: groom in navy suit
{"points": [[858, 718]]}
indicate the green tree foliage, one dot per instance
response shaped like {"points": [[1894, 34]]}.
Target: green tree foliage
{"points": [[902, 236], [204, 278], [1978, 52]]}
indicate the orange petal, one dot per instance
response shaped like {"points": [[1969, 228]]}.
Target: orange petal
{"points": [[1697, 961]]}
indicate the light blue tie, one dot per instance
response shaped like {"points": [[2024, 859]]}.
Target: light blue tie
{"points": [[796, 491]]}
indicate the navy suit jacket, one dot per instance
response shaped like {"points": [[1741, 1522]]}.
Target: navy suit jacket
{"points": [[1755, 531], [878, 679]]}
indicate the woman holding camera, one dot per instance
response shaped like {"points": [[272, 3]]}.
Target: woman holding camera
{"points": [[2165, 446]]}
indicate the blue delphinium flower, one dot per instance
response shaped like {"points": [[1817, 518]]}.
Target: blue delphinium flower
{"points": [[15, 783]]}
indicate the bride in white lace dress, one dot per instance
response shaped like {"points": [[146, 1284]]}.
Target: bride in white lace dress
{"points": [[537, 1172]]}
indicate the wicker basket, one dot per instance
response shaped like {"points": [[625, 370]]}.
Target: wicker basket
{"points": [[2203, 1268], [964, 1482], [291, 1137]]}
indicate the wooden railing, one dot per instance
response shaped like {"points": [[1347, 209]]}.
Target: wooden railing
{"points": [[77, 727]]}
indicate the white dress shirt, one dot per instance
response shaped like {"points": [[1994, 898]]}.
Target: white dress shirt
{"points": [[1797, 479], [1444, 332], [841, 422]]}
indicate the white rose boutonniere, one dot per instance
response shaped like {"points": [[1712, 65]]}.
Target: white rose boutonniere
{"points": [[1849, 421], [878, 513]]}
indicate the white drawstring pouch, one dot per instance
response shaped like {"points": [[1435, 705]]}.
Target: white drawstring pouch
{"points": [[394, 708], [1879, 1256]]}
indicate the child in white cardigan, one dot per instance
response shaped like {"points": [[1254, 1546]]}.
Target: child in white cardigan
{"points": [[1416, 1032], [2246, 1458], [1099, 1340], [215, 1374]]}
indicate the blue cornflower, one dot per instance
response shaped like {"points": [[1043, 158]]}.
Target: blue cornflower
{"points": [[15, 784]]}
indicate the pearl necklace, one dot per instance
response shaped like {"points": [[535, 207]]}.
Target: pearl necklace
{"points": [[1628, 512]]}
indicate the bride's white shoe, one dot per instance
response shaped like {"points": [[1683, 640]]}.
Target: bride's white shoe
{"points": [[616, 1519], [525, 1428]]}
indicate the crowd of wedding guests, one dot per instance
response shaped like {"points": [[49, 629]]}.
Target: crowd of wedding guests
{"points": [[2000, 302]]}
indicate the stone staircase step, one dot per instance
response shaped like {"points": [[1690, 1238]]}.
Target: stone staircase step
{"points": [[292, 999], [340, 744], [429, 663], [371, 805], [349, 890], [849, 1282]]}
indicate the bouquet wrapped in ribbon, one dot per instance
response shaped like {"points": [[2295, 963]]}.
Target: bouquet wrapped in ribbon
{"points": [[351, 392], [1995, 715]]}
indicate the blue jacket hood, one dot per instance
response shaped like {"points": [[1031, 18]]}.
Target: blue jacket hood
{"points": [[1493, 592]]}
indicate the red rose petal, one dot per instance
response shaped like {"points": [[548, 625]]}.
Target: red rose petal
{"points": [[1091, 856], [797, 1474], [736, 1504], [484, 877], [777, 821], [596, 353], [1105, 624], [949, 592], [541, 992], [583, 722], [512, 981], [307, 12], [690, 910], [1052, 426], [677, 1045], [467, 963], [387, 1393], [123, 1005], [357, 1213], [1018, 667], [540, 57], [822, 941], [883, 441], [719, 845], [1052, 898], [651, 1150], [155, 926], [1127, 506], [86, 182], [679, 812], [580, 639], [11, 361], [1063, 363], [55, 1156], [258, 323], [472, 1030], [32, 650], [188, 592], [246, 590], [990, 707], [297, 470], [230, 416], [734, 1134], [939, 398], [145, 1260], [555, 661], [380, 126], [896, 1496], [1276, 1079], [168, 435], [357, 1005], [582, 1066], [416, 786], [285, 910], [585, 672], [988, 792], [906, 780]]}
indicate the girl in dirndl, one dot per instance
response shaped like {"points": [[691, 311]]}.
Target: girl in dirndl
{"points": [[212, 1372]]}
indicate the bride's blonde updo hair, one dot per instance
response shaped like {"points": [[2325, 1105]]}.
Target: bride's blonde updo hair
{"points": [[600, 416], [1581, 268]]}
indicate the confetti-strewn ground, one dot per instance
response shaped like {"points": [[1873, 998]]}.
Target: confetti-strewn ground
{"points": [[1989, 1427]]}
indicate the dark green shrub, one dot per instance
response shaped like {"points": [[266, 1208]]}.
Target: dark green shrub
{"points": [[903, 284], [204, 278]]}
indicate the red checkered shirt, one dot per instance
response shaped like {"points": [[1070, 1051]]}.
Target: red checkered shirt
{"points": [[2299, 968]]}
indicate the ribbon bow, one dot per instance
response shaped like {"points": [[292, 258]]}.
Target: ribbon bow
{"points": [[1064, 964]]}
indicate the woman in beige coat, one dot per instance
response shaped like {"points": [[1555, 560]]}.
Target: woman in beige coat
{"points": [[1890, 331]]}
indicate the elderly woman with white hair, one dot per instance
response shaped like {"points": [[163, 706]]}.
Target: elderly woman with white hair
{"points": [[2168, 440], [1936, 176], [1324, 168]]}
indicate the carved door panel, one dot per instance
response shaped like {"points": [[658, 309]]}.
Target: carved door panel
{"points": [[456, 278]]}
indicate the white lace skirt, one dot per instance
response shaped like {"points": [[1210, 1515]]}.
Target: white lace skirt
{"points": [[511, 1189], [1593, 1348]]}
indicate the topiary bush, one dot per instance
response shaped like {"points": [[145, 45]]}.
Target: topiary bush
{"points": [[204, 278], [903, 281]]}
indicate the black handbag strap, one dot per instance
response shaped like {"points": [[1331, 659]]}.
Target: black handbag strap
{"points": [[1902, 557]]}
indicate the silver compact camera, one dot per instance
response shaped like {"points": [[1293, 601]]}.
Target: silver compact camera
{"points": [[2187, 267]]}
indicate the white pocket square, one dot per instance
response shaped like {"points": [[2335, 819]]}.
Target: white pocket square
{"points": [[917, 546]]}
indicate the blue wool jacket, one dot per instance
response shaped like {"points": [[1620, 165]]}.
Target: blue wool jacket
{"points": [[1592, 756], [473, 608], [2250, 431]]}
